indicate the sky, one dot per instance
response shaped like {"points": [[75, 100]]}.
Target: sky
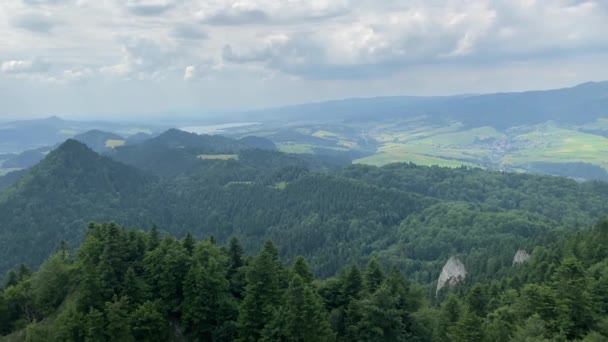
{"points": [[123, 58]]}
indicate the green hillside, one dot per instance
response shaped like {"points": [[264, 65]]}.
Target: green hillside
{"points": [[128, 285], [332, 215]]}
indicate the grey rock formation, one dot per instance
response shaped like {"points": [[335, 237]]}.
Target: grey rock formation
{"points": [[453, 273], [521, 257]]}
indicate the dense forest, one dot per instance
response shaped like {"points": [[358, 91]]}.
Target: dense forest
{"points": [[129, 285], [242, 242], [334, 215]]}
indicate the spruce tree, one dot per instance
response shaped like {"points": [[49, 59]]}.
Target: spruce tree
{"points": [[235, 254], [188, 243], [262, 294], [236, 270], [468, 329], [95, 326], [301, 268], [301, 318], [153, 238], [148, 323], [207, 297], [118, 325], [11, 279], [352, 285], [165, 270], [573, 298], [377, 318], [373, 276]]}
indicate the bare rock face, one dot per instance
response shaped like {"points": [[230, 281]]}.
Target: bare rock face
{"points": [[453, 273], [521, 257]]}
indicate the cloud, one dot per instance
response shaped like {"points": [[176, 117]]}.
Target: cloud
{"points": [[46, 2], [143, 58], [77, 75], [304, 45], [23, 66], [189, 31], [243, 12], [392, 36], [149, 7], [190, 73], [34, 22], [233, 16]]}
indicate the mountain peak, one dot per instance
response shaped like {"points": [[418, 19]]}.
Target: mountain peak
{"points": [[54, 119], [71, 146], [71, 155]]}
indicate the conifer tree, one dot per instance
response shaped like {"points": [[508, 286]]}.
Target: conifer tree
{"points": [[377, 318], [117, 328], [301, 268], [236, 271], [148, 323], [352, 284], [301, 318], [373, 276], [153, 238], [468, 329], [11, 279], [95, 326], [235, 254], [207, 299], [573, 298], [188, 243], [165, 270], [113, 260], [262, 294]]}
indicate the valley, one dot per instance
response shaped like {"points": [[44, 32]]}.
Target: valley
{"points": [[517, 149]]}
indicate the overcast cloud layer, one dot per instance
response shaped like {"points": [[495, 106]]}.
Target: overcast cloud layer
{"points": [[122, 57]]}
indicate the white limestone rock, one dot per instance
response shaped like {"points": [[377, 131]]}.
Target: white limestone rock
{"points": [[521, 257], [453, 273]]}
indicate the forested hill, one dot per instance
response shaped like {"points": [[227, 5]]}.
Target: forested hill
{"points": [[58, 197], [128, 285], [412, 216]]}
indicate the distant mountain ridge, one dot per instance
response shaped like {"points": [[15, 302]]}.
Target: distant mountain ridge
{"points": [[22, 135], [176, 150], [99, 140], [582, 103]]}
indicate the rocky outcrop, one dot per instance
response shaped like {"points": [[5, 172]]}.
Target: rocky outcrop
{"points": [[452, 274], [521, 257]]}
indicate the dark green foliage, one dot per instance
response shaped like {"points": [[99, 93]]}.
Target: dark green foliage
{"points": [[164, 267], [301, 318], [118, 325], [188, 243], [352, 284], [301, 268], [208, 304], [236, 270], [148, 323], [373, 277], [469, 328], [377, 318], [58, 197], [50, 284], [412, 216], [573, 301], [118, 290]]}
